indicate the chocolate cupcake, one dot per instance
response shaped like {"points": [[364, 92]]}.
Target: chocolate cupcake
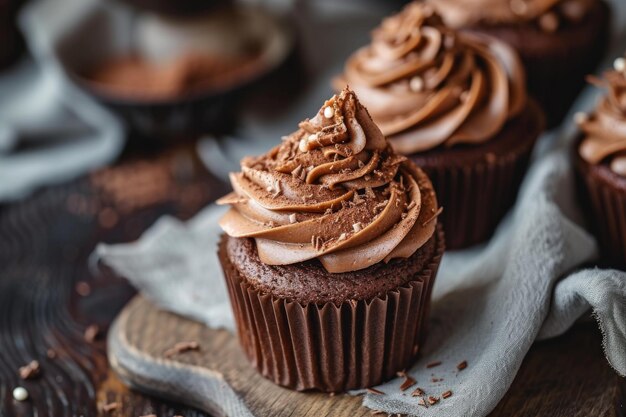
{"points": [[559, 41], [600, 159], [330, 254], [456, 104]]}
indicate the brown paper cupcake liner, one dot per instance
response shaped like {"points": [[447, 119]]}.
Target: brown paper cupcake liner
{"points": [[329, 347], [605, 207], [476, 196]]}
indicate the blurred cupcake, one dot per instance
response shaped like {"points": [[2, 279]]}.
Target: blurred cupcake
{"points": [[330, 253], [601, 163], [173, 76], [456, 104], [559, 41]]}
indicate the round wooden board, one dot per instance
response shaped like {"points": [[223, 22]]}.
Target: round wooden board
{"points": [[217, 379]]}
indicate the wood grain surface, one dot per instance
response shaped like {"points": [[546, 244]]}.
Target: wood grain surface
{"points": [[45, 243]]}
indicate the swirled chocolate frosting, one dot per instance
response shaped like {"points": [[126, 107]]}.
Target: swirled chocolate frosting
{"points": [[605, 128], [335, 191], [427, 85], [548, 14]]}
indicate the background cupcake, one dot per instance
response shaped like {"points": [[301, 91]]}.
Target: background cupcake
{"points": [[330, 253], [559, 41], [456, 104], [601, 161]]}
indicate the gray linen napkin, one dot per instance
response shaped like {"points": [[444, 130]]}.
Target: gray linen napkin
{"points": [[49, 130]]}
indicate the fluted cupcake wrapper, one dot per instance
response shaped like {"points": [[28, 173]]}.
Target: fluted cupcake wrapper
{"points": [[329, 347], [606, 211], [475, 196]]}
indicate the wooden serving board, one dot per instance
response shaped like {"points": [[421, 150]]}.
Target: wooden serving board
{"points": [[564, 377], [217, 379]]}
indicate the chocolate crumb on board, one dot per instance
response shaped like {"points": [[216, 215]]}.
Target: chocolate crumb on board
{"points": [[83, 289], [111, 407], [433, 400], [408, 381], [422, 402], [433, 364], [181, 347], [91, 333], [30, 371], [418, 392], [374, 391], [461, 365], [446, 394], [437, 379]]}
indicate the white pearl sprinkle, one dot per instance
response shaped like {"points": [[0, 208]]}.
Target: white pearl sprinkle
{"points": [[619, 64], [416, 84], [20, 394], [329, 112], [580, 117]]}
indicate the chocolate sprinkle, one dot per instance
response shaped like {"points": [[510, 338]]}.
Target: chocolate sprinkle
{"points": [[181, 347], [446, 394], [91, 333], [374, 391], [408, 382], [433, 364], [30, 371], [111, 407], [461, 365]]}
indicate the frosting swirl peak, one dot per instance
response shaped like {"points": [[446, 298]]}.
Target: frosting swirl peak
{"points": [[605, 128], [427, 85], [333, 190]]}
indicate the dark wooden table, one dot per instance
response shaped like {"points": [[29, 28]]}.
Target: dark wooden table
{"points": [[51, 296]]}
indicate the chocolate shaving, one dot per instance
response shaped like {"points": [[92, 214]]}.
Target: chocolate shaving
{"points": [[83, 289], [408, 382], [446, 394], [433, 400], [181, 347], [422, 402], [374, 391], [91, 333], [111, 407], [30, 371], [461, 365], [433, 217], [433, 364], [418, 392]]}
